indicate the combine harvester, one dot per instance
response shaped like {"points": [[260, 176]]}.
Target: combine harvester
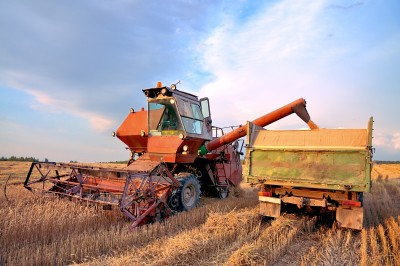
{"points": [[176, 156]]}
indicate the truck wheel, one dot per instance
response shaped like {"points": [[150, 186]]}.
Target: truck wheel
{"points": [[188, 194]]}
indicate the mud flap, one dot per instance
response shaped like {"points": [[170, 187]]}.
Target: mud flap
{"points": [[350, 218], [270, 207]]}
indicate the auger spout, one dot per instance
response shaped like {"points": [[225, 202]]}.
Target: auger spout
{"points": [[298, 107]]}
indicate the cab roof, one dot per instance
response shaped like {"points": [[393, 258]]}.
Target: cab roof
{"points": [[167, 91]]}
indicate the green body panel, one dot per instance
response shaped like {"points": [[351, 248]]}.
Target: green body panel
{"points": [[344, 168], [334, 170]]}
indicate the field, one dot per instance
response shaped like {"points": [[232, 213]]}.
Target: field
{"points": [[51, 231]]}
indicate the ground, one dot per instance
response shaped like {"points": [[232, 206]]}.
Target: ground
{"points": [[51, 231]]}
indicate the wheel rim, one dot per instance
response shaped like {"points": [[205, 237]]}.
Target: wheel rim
{"points": [[189, 195], [223, 193]]}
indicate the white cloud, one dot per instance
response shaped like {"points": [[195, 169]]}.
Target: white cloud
{"points": [[97, 121], [257, 66], [386, 144], [91, 59], [396, 140], [381, 140], [57, 103], [42, 98], [387, 141]]}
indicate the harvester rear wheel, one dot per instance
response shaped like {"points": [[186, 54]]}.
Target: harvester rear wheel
{"points": [[188, 194]]}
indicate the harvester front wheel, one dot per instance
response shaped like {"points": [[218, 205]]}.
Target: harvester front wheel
{"points": [[188, 194]]}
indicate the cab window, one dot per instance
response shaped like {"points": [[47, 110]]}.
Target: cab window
{"points": [[163, 118], [192, 117]]}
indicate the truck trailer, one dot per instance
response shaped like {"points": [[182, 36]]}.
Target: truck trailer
{"points": [[319, 170]]}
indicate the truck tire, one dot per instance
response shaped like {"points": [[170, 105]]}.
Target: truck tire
{"points": [[187, 195]]}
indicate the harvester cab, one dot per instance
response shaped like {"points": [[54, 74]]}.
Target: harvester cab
{"points": [[176, 125], [177, 117], [173, 112]]}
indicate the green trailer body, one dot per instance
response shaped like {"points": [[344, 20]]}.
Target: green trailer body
{"points": [[325, 168]]}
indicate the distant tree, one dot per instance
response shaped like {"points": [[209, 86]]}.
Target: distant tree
{"points": [[387, 162], [120, 162], [19, 159], [46, 160]]}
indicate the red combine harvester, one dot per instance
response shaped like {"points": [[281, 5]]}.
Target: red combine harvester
{"points": [[176, 156]]}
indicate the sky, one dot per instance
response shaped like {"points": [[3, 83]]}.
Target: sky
{"points": [[71, 70]]}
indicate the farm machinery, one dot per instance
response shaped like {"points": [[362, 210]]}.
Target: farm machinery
{"points": [[177, 155]]}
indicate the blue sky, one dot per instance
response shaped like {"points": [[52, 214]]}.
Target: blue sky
{"points": [[70, 70]]}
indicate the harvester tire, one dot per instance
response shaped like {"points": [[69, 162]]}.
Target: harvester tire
{"points": [[188, 194]]}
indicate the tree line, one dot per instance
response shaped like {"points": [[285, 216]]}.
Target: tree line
{"points": [[21, 159], [387, 162]]}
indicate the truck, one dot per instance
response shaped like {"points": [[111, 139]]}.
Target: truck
{"points": [[317, 170]]}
